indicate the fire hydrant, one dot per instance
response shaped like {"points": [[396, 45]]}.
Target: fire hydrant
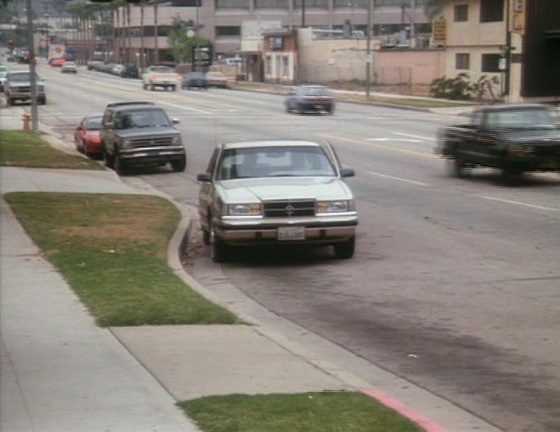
{"points": [[26, 117]]}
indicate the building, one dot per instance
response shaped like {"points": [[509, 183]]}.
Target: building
{"points": [[221, 20], [517, 42]]}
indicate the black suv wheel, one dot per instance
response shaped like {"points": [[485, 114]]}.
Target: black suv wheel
{"points": [[345, 250], [179, 165]]}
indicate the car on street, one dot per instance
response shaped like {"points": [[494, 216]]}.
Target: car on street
{"points": [[130, 71], [140, 133], [87, 136], [514, 138], [69, 67], [195, 80], [276, 192], [92, 64], [160, 76], [118, 69], [310, 98], [217, 79], [57, 62], [3, 76], [18, 88]]}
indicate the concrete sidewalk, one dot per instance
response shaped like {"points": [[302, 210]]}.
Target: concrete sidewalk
{"points": [[59, 372]]}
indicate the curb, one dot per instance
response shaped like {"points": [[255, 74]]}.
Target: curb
{"points": [[178, 244], [364, 103]]}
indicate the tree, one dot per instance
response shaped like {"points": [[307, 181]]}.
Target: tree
{"points": [[433, 7], [182, 40]]}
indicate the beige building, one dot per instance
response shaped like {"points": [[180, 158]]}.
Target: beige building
{"points": [[491, 38], [221, 20]]}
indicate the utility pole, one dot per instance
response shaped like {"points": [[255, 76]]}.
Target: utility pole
{"points": [[369, 59], [302, 13], [32, 68], [412, 24], [156, 35], [142, 59], [507, 51]]}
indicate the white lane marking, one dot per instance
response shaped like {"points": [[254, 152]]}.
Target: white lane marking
{"points": [[519, 203], [414, 182], [381, 146], [183, 107], [420, 137], [395, 140]]}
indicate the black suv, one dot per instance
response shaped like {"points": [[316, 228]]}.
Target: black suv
{"points": [[140, 133]]}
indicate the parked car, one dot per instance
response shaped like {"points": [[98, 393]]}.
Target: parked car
{"points": [[69, 67], [118, 69], [160, 76], [276, 192], [87, 136], [3, 76], [513, 138], [17, 87], [57, 62], [307, 98], [195, 80], [91, 64], [130, 71], [217, 79], [140, 133]]}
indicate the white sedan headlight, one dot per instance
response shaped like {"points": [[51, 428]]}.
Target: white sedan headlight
{"points": [[339, 206], [244, 210]]}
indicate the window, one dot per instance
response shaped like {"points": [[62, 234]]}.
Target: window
{"points": [[461, 12], [462, 61], [309, 4], [271, 4], [491, 10], [232, 4], [261, 162], [491, 63], [285, 66], [228, 31]]}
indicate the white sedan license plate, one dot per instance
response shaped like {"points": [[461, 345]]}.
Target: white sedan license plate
{"points": [[291, 233]]}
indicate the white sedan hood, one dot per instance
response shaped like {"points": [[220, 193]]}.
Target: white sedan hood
{"points": [[283, 188]]}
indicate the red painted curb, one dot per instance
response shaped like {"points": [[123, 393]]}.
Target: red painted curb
{"points": [[425, 423]]}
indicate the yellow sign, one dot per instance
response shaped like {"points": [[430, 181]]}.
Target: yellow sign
{"points": [[439, 31], [518, 16]]}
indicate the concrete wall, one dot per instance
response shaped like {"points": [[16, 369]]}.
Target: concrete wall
{"points": [[415, 67]]}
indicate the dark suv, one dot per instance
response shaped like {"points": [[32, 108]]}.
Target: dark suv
{"points": [[140, 133]]}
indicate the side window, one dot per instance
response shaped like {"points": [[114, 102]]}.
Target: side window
{"points": [[107, 117], [476, 119], [212, 163], [117, 121]]}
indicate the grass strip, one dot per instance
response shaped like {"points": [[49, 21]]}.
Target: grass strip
{"points": [[307, 412], [112, 251], [23, 149]]}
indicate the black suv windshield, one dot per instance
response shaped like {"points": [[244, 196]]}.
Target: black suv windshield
{"points": [[315, 91], [286, 161], [521, 119], [142, 119]]}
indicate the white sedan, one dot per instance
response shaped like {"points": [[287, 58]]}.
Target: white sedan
{"points": [[69, 67]]}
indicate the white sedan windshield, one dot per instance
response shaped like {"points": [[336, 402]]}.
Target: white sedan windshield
{"points": [[275, 162]]}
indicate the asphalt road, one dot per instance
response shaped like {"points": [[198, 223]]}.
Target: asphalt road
{"points": [[456, 282]]}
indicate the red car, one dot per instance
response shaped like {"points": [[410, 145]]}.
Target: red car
{"points": [[57, 62], [87, 136]]}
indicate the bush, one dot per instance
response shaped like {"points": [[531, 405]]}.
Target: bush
{"points": [[461, 88]]}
